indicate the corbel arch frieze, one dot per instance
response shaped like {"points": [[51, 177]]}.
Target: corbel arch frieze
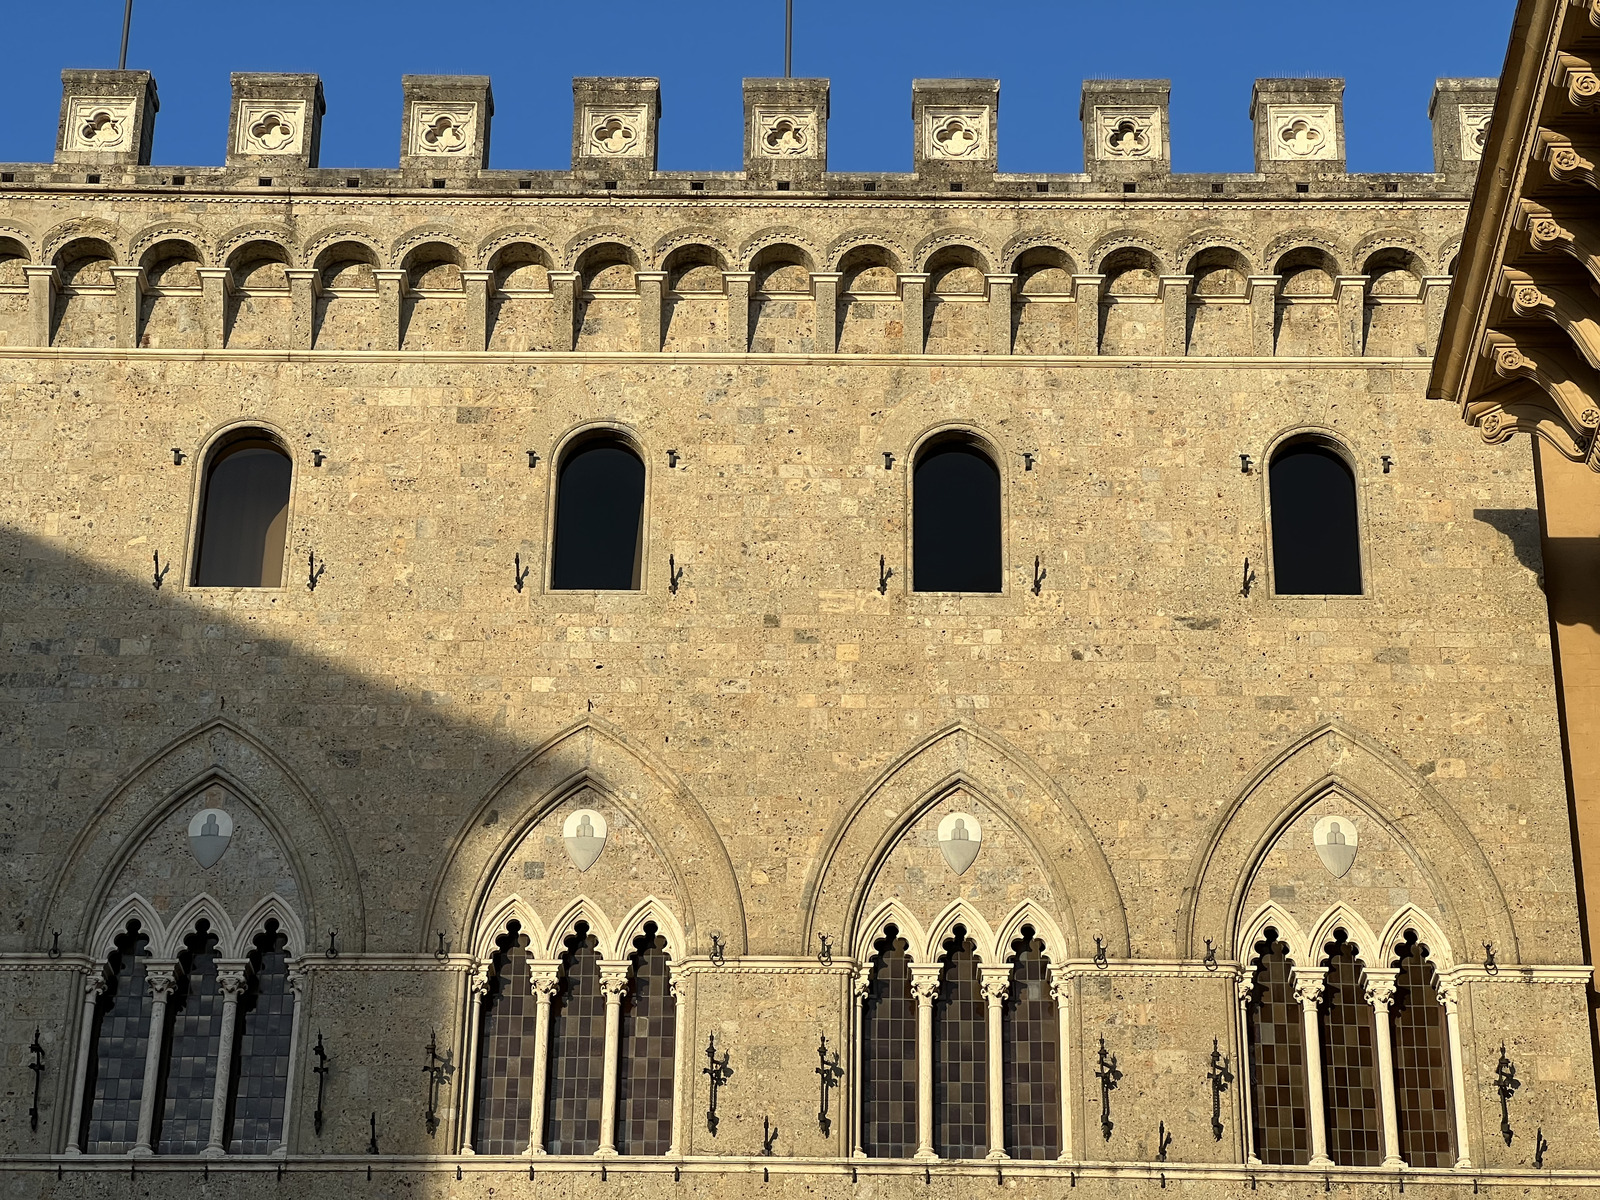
{"points": [[689, 235], [508, 235], [1038, 239], [260, 231], [1334, 757], [1292, 239], [1212, 238], [592, 754], [217, 751], [777, 235], [423, 235], [573, 252], [965, 756], [1128, 239], [877, 238], [22, 235], [1391, 239], [332, 235], [967, 239]]}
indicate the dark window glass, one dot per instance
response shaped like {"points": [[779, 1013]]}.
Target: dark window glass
{"points": [[261, 1053], [1277, 1057], [121, 1037], [599, 518], [507, 1026], [648, 1045], [244, 517], [1349, 1060], [1316, 545], [1421, 1062], [955, 520], [194, 1041], [960, 1054], [577, 1050], [889, 1053], [1031, 1066]]}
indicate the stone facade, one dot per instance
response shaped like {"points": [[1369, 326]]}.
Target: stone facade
{"points": [[774, 726]]}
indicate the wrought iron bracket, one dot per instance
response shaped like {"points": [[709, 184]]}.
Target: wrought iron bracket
{"points": [[829, 1072], [718, 1072], [321, 1072], [1109, 1078], [1220, 1076]]}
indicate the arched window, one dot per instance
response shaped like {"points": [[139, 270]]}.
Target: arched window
{"points": [[194, 1043], [1030, 1040], [1316, 542], [1349, 1058], [1421, 1060], [648, 1051], [503, 1112], [120, 1041], [955, 519], [577, 1049], [889, 1053], [1277, 1057], [264, 1030], [244, 514], [960, 1053], [599, 533]]}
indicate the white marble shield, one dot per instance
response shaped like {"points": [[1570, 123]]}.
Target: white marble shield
{"points": [[584, 832], [209, 832], [959, 839], [1335, 840]]}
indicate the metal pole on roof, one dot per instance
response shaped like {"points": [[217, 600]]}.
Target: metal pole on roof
{"points": [[788, 37], [127, 21]]}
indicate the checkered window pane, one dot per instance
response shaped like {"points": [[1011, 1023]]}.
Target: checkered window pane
{"points": [[1277, 1058], [261, 1064], [507, 1027], [889, 1053], [960, 1054], [121, 1036], [577, 1050], [1349, 1060], [194, 1042], [649, 1040], [1421, 1062], [1030, 1037]]}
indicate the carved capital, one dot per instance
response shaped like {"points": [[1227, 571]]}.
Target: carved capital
{"points": [[862, 983], [94, 986], [161, 981], [230, 981], [614, 982], [1380, 989], [543, 982], [1309, 991]]}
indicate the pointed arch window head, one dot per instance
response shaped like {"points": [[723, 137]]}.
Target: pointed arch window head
{"points": [[599, 519], [955, 518], [114, 1089], [194, 1045], [244, 514], [960, 1053], [1030, 1040], [889, 1053], [1421, 1059], [1316, 536], [260, 1080], [1277, 1057]]}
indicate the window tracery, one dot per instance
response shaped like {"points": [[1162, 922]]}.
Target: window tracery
{"points": [[577, 1049], [185, 1087], [1349, 1059], [1277, 1056], [119, 1046], [648, 1050], [1421, 1059], [1030, 1036], [960, 1053], [503, 1106], [260, 1098], [889, 1052]]}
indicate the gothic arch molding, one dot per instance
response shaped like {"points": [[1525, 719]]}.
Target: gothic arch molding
{"points": [[967, 756], [217, 751], [1335, 757], [594, 755]]}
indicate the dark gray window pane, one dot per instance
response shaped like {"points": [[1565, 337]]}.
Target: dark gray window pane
{"points": [[960, 1054], [1421, 1062], [1277, 1058], [244, 517], [599, 518], [1349, 1059], [503, 1112], [1316, 544], [648, 1043], [1031, 1064], [193, 1042], [261, 1051], [116, 1064], [955, 522], [577, 1050], [889, 1053]]}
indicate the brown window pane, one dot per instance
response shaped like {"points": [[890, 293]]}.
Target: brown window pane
{"points": [[261, 1054], [244, 516], [116, 1064], [1349, 1059], [194, 1042], [1031, 1066], [889, 1053], [1421, 1062], [960, 1054], [1277, 1057], [507, 1026], [649, 1039], [577, 1050]]}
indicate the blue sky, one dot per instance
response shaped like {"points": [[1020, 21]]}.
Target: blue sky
{"points": [[1389, 51]]}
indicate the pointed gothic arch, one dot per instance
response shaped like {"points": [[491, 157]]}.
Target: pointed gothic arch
{"points": [[1271, 916], [592, 754], [965, 756], [218, 751], [581, 911], [1343, 916], [1375, 781], [941, 928], [890, 912]]}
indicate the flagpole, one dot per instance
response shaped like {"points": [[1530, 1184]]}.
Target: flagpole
{"points": [[788, 38], [127, 20]]}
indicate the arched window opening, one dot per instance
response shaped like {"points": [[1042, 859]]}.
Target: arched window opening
{"points": [[261, 1056], [960, 1053], [577, 1049], [1421, 1060], [955, 519], [503, 1108], [120, 1041], [187, 1082], [244, 514], [1031, 1046], [649, 1041], [599, 528], [1349, 1058], [1277, 1057], [1316, 539], [889, 1053]]}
